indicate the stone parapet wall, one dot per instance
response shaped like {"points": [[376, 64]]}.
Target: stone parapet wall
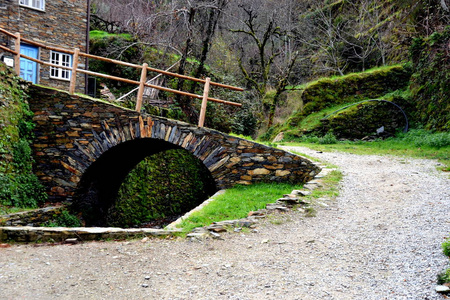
{"points": [[36, 217], [73, 132], [28, 234]]}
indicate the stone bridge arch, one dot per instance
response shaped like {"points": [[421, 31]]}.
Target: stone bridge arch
{"points": [[73, 133]]}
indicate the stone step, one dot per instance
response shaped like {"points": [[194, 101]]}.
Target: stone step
{"points": [[28, 234]]}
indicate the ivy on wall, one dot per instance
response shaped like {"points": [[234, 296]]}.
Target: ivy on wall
{"points": [[19, 186], [430, 84]]}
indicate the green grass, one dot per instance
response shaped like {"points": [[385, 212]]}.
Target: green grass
{"points": [[97, 34], [236, 203], [416, 143], [330, 189], [313, 120], [6, 210], [444, 277]]}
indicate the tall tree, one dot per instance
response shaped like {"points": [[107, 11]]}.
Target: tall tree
{"points": [[263, 39]]}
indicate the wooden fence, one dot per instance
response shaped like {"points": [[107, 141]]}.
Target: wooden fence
{"points": [[141, 83]]}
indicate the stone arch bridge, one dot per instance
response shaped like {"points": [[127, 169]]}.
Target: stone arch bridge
{"points": [[81, 142]]}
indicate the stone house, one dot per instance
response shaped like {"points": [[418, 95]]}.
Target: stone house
{"points": [[55, 23]]}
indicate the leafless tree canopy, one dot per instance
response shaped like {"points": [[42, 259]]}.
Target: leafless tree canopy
{"points": [[272, 43]]}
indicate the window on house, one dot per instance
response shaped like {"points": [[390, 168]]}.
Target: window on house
{"points": [[61, 59], [37, 4]]}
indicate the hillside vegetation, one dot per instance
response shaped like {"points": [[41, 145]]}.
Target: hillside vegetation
{"points": [[288, 54], [19, 187]]}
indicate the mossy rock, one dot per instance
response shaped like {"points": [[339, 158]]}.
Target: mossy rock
{"points": [[330, 92], [430, 84], [356, 86], [364, 119]]}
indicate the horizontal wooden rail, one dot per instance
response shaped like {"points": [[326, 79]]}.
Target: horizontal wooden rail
{"points": [[156, 87], [142, 83], [132, 81], [8, 50], [7, 32], [110, 60]]}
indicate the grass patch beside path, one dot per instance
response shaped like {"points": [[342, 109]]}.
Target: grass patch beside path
{"points": [[236, 203], [391, 147], [6, 210]]}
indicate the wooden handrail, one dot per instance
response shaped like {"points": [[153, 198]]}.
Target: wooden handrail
{"points": [[7, 32], [110, 60], [144, 69], [8, 50]]}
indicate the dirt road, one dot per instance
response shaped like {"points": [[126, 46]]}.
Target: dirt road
{"points": [[380, 239]]}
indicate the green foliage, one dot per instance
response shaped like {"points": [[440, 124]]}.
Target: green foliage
{"points": [[328, 139], [444, 277], [446, 247], [424, 138], [21, 190], [245, 119], [19, 186], [115, 46], [355, 87], [431, 81], [98, 35], [64, 219], [163, 185], [326, 95]]}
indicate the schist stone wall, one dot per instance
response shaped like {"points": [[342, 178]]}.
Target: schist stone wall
{"points": [[72, 133], [62, 24]]}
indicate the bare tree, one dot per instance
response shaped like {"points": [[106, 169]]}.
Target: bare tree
{"points": [[321, 34], [186, 27], [266, 42], [262, 36]]}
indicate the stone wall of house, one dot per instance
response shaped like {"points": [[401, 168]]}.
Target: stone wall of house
{"points": [[62, 24], [73, 133]]}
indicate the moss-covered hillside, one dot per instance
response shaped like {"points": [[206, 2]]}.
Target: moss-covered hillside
{"points": [[322, 97], [19, 186], [430, 85]]}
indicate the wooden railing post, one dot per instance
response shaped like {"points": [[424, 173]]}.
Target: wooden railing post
{"points": [[201, 119], [73, 77], [17, 56], [141, 87]]}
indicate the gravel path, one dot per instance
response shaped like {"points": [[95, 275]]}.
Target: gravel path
{"points": [[380, 239]]}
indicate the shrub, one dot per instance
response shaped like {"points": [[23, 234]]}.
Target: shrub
{"points": [[425, 138], [65, 219], [328, 139], [444, 277], [446, 247]]}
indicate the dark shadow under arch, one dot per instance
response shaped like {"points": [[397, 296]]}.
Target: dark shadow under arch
{"points": [[99, 185]]}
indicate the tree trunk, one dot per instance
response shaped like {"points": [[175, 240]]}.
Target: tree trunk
{"points": [[183, 101]]}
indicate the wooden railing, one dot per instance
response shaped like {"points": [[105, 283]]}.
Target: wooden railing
{"points": [[76, 53]]}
